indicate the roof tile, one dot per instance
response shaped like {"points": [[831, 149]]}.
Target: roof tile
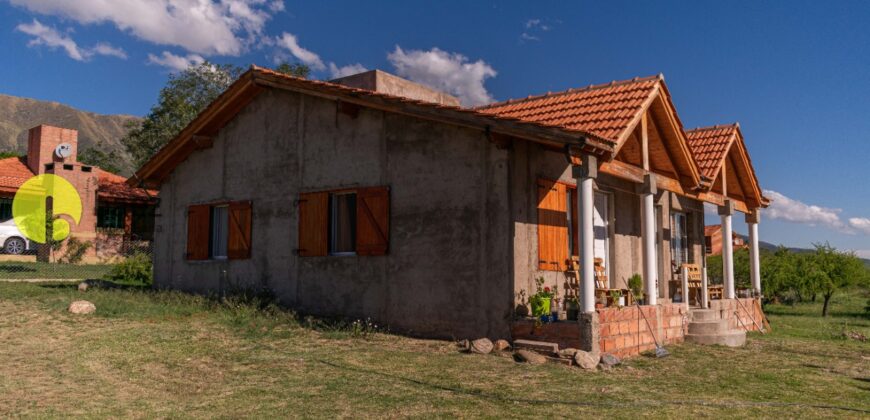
{"points": [[709, 145]]}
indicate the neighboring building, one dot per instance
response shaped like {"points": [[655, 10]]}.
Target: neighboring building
{"points": [[115, 216], [430, 218], [713, 240]]}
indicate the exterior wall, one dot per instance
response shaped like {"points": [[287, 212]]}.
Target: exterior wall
{"points": [[531, 162], [447, 272], [740, 318], [384, 82]]}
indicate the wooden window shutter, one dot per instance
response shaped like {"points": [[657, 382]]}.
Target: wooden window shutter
{"points": [[372, 221], [239, 239], [198, 218], [313, 224], [552, 225]]}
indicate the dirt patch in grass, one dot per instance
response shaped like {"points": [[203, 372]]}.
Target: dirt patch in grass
{"points": [[162, 354]]}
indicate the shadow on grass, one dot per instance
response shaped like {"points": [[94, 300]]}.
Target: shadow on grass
{"points": [[99, 284], [16, 269]]}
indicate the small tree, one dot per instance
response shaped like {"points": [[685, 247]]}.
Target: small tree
{"points": [[831, 271]]}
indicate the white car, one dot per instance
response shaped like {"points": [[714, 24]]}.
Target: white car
{"points": [[12, 239]]}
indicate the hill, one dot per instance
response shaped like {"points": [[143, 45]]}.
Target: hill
{"points": [[95, 130], [767, 246]]}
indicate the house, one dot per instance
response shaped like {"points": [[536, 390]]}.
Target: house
{"points": [[432, 218], [114, 217], [713, 240]]}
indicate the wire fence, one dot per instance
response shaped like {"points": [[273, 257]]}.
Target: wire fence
{"points": [[106, 255]]}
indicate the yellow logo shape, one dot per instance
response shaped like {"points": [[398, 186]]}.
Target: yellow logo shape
{"points": [[30, 211]]}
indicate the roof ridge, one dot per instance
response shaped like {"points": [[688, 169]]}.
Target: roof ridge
{"points": [[715, 127], [572, 90]]}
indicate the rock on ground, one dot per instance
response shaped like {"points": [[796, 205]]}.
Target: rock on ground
{"points": [[585, 359], [82, 307], [83, 287], [530, 357], [501, 345], [568, 353], [609, 360], [481, 346]]}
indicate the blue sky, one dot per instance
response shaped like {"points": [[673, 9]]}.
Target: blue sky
{"points": [[793, 73]]}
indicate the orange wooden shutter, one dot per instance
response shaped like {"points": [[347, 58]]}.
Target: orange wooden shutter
{"points": [[372, 221], [239, 239], [552, 226], [198, 232], [313, 224]]}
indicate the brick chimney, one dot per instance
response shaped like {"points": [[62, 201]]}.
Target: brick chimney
{"points": [[42, 142]]}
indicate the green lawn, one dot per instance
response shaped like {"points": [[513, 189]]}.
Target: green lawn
{"points": [[39, 270], [165, 354]]}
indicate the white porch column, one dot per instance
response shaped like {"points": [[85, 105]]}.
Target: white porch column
{"points": [[648, 222], [585, 175], [752, 220], [727, 248]]}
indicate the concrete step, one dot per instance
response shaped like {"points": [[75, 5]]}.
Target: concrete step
{"points": [[730, 339], [717, 326], [705, 315], [543, 347]]}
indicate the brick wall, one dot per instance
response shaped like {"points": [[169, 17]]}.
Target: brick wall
{"points": [[566, 333], [624, 332], [741, 320]]}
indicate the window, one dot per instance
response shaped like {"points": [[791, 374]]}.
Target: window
{"points": [[219, 231], [679, 240], [219, 227], [110, 217], [601, 228], [342, 223], [347, 222], [558, 225], [5, 209]]}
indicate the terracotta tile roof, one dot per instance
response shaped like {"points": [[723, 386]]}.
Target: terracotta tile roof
{"points": [[606, 110], [711, 230], [14, 172], [709, 145]]}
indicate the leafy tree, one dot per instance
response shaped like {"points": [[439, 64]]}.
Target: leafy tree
{"points": [[831, 271], [185, 95], [95, 156], [294, 69], [9, 154]]}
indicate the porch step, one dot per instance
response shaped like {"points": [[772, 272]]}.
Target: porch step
{"points": [[705, 315], [543, 347], [730, 338], [718, 326]]}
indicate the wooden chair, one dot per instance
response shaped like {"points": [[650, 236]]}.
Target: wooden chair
{"points": [[715, 292], [694, 282], [602, 286]]}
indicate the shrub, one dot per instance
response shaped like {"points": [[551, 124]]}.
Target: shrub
{"points": [[75, 251], [136, 269]]}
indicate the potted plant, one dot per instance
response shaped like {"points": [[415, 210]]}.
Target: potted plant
{"points": [[522, 308], [616, 298], [540, 301], [635, 283]]}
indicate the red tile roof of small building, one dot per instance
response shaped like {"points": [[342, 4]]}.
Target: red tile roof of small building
{"points": [[709, 145], [711, 230], [606, 110], [14, 172]]}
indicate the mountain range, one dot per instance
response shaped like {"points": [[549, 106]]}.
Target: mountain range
{"points": [[99, 131]]}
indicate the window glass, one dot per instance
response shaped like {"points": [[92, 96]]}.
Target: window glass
{"points": [[219, 229], [5, 209], [342, 223], [680, 240], [110, 217], [601, 228]]}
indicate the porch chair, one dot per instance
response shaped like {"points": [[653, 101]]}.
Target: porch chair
{"points": [[602, 286], [693, 273]]}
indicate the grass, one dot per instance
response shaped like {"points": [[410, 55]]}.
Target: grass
{"points": [[167, 354], [41, 270]]}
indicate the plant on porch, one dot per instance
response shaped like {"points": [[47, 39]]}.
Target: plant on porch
{"points": [[540, 301]]}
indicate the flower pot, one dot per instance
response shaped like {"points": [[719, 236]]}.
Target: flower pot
{"points": [[522, 310], [573, 314], [540, 306], [622, 301]]}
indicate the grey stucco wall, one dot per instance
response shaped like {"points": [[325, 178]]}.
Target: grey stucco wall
{"points": [[531, 162], [448, 272]]}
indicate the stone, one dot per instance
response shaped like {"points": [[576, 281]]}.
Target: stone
{"points": [[83, 286], [540, 346], [530, 357], [501, 345], [609, 360], [481, 346], [585, 359], [463, 345], [82, 307], [568, 353]]}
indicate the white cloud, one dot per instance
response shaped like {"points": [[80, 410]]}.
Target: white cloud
{"points": [[103, 48], [175, 62], [222, 27], [347, 70], [863, 253], [50, 37], [311, 59], [449, 72], [526, 36], [531, 23], [784, 208], [860, 223]]}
